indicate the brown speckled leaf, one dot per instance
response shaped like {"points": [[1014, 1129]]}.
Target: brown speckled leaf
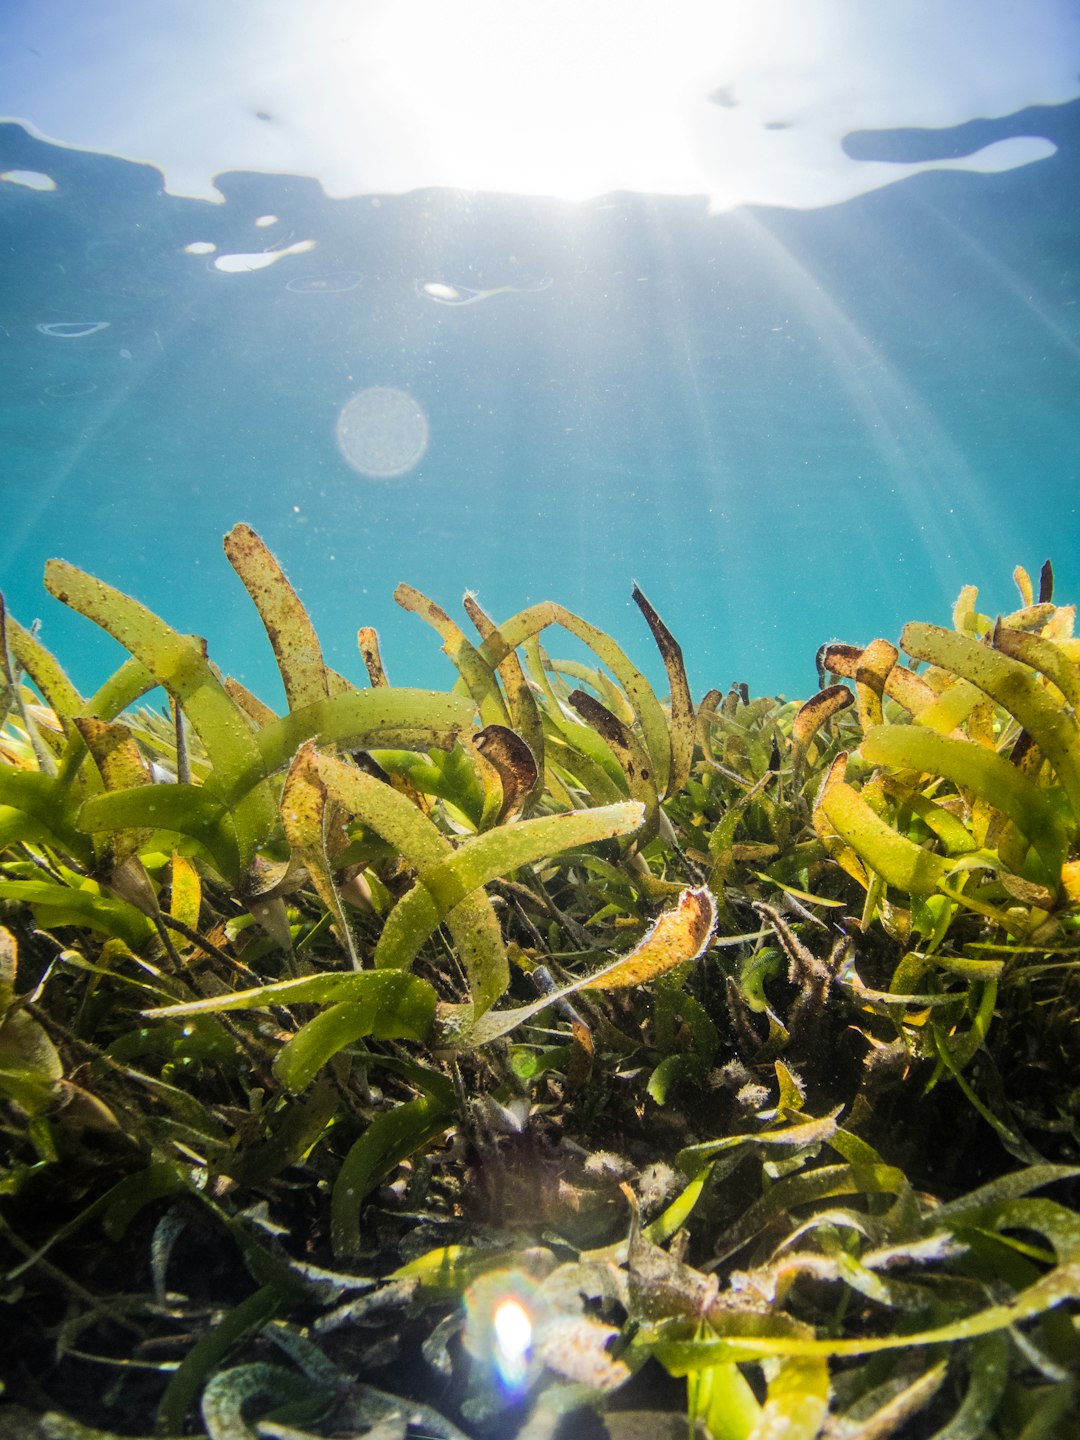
{"points": [[871, 673], [817, 710], [291, 633], [368, 642]]}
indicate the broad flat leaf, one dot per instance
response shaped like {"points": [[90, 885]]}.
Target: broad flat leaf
{"points": [[508, 753], [722, 1399], [472, 922], [875, 664], [226, 1403], [51, 807], [30, 1067], [364, 719], [797, 1400], [191, 810], [9, 969], [44, 669], [1008, 682], [61, 905], [306, 818], [1062, 1282], [406, 1016], [185, 897], [121, 765], [485, 857], [1042, 655], [988, 1358], [819, 708], [178, 663], [789, 1137], [392, 997], [450, 1269], [631, 754], [902, 685], [390, 1138], [979, 770], [242, 1321], [597, 679], [520, 701], [296, 1127], [898, 860], [574, 737], [952, 708]]}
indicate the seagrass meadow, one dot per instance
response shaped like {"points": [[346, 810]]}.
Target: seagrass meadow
{"points": [[540, 1058]]}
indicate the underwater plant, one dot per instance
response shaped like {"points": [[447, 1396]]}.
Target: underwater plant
{"points": [[475, 1062]]}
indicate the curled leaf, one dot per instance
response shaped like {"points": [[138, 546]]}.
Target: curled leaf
{"points": [[514, 761], [677, 936]]}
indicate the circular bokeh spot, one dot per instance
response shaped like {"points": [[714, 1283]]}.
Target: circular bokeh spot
{"points": [[382, 432]]}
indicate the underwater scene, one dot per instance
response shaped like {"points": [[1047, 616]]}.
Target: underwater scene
{"points": [[539, 736]]}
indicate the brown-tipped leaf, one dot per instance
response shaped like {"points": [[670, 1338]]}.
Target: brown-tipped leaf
{"points": [[368, 642], [817, 710], [682, 704], [288, 626]]}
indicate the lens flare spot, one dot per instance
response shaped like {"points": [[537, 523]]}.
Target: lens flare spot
{"points": [[505, 1312], [382, 432], [512, 1325]]}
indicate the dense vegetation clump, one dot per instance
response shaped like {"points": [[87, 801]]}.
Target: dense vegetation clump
{"points": [[539, 1058]]}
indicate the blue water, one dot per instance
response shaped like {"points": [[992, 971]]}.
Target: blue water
{"points": [[786, 426]]}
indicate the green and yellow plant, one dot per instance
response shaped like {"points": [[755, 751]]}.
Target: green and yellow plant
{"points": [[354, 1025]]}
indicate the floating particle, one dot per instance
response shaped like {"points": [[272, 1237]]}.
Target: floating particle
{"points": [[335, 284], [382, 432], [70, 389]]}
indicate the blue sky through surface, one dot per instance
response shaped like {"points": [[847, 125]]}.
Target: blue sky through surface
{"points": [[779, 320]]}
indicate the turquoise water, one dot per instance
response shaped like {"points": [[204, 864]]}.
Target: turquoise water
{"points": [[786, 425]]}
